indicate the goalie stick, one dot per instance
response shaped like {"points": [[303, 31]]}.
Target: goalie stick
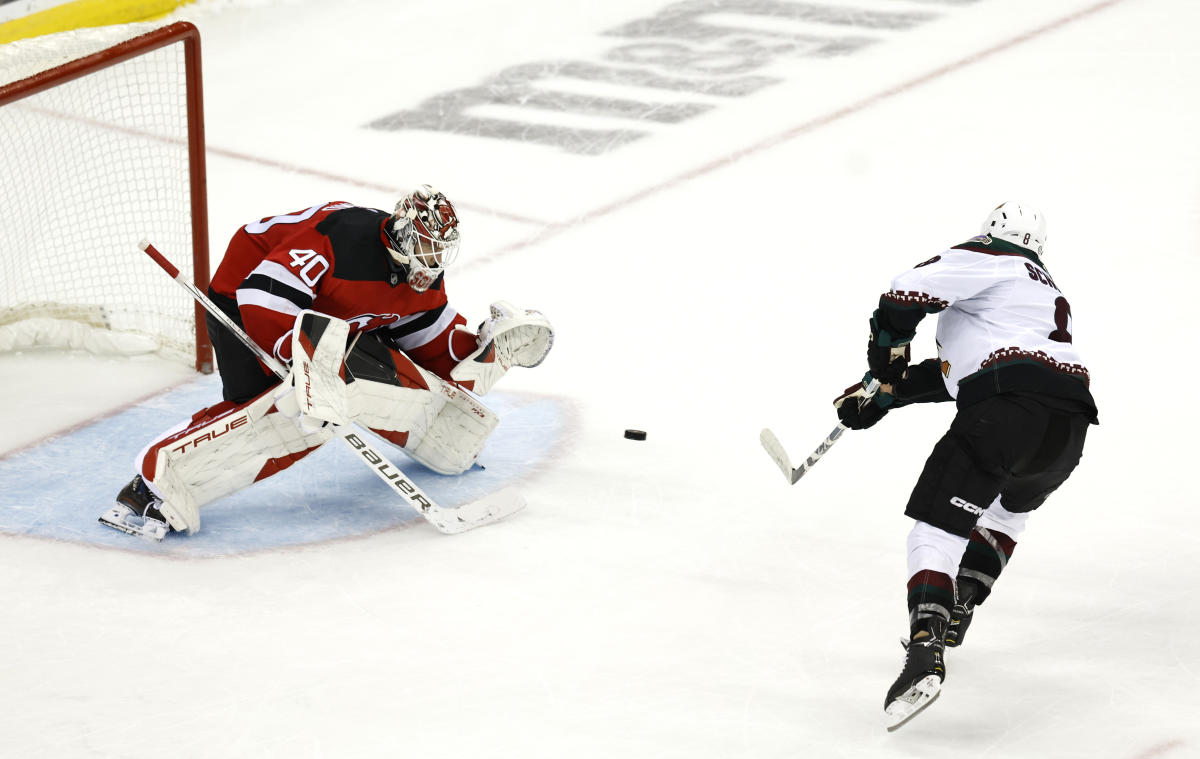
{"points": [[775, 449], [450, 521]]}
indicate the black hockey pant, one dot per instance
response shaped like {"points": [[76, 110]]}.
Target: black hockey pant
{"points": [[1011, 445], [242, 376]]}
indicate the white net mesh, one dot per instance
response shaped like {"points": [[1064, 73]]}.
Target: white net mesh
{"points": [[90, 167]]}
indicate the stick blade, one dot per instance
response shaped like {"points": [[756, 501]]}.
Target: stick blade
{"points": [[775, 450], [490, 508]]}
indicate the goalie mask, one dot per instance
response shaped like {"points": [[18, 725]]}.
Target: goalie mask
{"points": [[1018, 224], [423, 236]]}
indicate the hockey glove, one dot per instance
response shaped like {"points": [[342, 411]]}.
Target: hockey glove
{"points": [[887, 356], [858, 412], [510, 337]]}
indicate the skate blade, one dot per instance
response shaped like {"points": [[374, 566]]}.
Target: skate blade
{"points": [[912, 702], [121, 517]]}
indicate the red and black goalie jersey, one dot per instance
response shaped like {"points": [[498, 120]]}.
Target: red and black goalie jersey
{"points": [[333, 258]]}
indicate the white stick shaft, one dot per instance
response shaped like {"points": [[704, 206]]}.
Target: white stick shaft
{"points": [[816, 455]]}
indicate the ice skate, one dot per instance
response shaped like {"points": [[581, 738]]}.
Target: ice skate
{"points": [[136, 512], [920, 682]]}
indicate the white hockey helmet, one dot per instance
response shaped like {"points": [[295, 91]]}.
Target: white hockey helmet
{"points": [[424, 236], [1018, 224]]}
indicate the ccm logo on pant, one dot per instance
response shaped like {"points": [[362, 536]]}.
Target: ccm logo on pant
{"points": [[970, 508]]}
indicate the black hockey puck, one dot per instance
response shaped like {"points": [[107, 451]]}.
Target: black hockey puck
{"points": [[635, 434]]}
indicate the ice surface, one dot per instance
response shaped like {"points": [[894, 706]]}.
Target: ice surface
{"points": [[673, 597]]}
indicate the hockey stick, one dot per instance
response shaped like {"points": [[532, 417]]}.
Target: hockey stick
{"points": [[775, 449], [450, 521]]}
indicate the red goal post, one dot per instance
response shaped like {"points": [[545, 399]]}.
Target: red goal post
{"points": [[103, 134]]}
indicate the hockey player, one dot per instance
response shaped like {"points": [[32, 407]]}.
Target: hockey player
{"points": [[409, 359], [1007, 359]]}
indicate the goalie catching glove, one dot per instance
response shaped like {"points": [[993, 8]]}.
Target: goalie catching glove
{"points": [[510, 337]]}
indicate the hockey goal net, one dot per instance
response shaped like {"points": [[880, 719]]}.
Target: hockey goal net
{"points": [[103, 145]]}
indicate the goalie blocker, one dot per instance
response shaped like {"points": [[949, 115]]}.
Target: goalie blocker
{"points": [[227, 447]]}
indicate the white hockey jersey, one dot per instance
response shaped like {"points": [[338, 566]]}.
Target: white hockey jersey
{"points": [[997, 306]]}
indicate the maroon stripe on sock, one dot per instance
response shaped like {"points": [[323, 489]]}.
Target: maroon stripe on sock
{"points": [[1006, 544], [935, 581], [930, 593]]}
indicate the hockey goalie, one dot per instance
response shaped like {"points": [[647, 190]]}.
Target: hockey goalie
{"points": [[353, 301]]}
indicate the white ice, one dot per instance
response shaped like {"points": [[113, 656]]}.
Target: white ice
{"points": [[673, 597]]}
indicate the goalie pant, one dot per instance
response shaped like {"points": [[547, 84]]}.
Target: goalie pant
{"points": [[228, 447]]}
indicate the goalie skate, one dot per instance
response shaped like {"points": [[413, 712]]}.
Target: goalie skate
{"points": [[136, 512], [125, 519]]}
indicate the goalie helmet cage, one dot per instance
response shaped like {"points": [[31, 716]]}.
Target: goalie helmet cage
{"points": [[103, 137]]}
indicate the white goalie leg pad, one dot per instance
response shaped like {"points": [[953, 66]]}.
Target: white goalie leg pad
{"points": [[181, 511], [179, 506], [510, 337], [441, 426], [453, 442], [224, 449], [401, 412]]}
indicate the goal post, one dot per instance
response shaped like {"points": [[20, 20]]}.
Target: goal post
{"points": [[103, 133]]}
